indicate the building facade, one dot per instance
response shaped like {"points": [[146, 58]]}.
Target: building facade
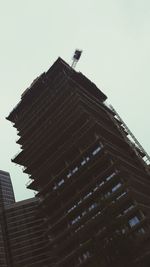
{"points": [[81, 161], [22, 237], [27, 240], [6, 190], [6, 198]]}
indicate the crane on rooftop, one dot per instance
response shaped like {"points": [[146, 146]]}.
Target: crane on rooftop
{"points": [[76, 57]]}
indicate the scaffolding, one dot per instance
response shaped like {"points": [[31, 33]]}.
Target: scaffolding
{"points": [[140, 151]]}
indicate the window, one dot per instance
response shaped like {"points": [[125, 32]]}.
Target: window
{"points": [[121, 195], [72, 208], [92, 206], [133, 221], [116, 187], [110, 176], [75, 220], [83, 162], [84, 213], [101, 184], [107, 194], [129, 208], [141, 230], [75, 170], [55, 187], [86, 196], [87, 159], [96, 150], [61, 182], [84, 256], [69, 175]]}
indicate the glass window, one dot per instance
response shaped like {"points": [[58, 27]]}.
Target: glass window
{"points": [[133, 221], [141, 230], [96, 150], [110, 176], [116, 187], [128, 209]]}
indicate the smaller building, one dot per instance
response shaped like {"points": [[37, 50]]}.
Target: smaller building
{"points": [[6, 190], [22, 235], [25, 233], [6, 198]]}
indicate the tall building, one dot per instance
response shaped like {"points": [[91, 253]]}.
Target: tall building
{"points": [[6, 198], [27, 240], [79, 158], [6, 190], [22, 236]]}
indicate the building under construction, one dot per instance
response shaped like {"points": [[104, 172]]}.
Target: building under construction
{"points": [[81, 158]]}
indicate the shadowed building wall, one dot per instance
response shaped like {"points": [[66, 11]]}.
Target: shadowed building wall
{"points": [[22, 236], [6, 198], [26, 237]]}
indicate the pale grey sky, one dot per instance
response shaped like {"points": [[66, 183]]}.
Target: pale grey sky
{"points": [[115, 38]]}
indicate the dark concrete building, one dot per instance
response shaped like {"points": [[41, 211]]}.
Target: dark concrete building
{"points": [[22, 236], [27, 240], [6, 190], [6, 198], [80, 157]]}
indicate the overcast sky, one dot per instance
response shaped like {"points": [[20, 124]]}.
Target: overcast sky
{"points": [[115, 38]]}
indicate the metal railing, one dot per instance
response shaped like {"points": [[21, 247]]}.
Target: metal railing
{"points": [[132, 140]]}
